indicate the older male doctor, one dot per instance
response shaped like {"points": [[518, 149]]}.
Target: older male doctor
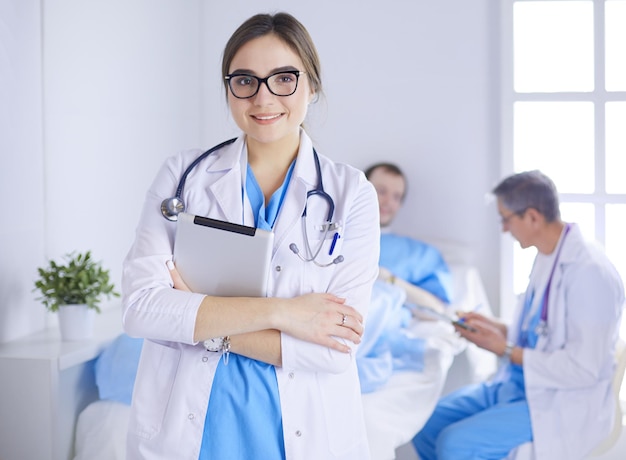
{"points": [[554, 388]]}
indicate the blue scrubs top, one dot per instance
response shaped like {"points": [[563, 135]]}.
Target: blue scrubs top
{"points": [[526, 338], [244, 413]]}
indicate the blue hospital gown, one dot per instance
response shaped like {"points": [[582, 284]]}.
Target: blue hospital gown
{"points": [[416, 262]]}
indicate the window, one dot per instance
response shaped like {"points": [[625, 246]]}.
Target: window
{"points": [[564, 112]]}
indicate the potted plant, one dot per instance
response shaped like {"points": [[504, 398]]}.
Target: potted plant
{"points": [[74, 289]]}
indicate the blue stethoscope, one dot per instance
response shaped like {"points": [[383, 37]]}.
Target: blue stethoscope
{"points": [[171, 207]]}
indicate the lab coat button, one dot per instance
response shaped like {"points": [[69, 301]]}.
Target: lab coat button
{"points": [[298, 433], [190, 416], [204, 359], [278, 268], [291, 375]]}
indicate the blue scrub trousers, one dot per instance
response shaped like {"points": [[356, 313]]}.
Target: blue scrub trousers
{"points": [[483, 421]]}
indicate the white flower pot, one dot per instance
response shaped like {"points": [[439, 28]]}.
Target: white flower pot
{"points": [[76, 322]]}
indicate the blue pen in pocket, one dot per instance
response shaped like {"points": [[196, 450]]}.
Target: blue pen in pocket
{"points": [[333, 243]]}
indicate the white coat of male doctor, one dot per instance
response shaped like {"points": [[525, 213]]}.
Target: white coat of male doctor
{"points": [[319, 389], [554, 388]]}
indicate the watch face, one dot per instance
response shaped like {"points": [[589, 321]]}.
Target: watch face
{"points": [[214, 344]]}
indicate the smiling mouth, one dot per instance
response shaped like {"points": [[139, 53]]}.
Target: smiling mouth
{"points": [[267, 117]]}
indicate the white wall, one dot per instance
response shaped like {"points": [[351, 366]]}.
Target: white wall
{"points": [[128, 82], [411, 82], [21, 168]]}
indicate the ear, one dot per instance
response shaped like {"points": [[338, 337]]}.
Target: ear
{"points": [[536, 218]]}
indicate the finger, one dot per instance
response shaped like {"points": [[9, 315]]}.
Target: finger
{"points": [[352, 312], [176, 278], [337, 345], [344, 333], [334, 298], [352, 323]]}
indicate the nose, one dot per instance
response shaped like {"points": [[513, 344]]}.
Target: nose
{"points": [[263, 93]]}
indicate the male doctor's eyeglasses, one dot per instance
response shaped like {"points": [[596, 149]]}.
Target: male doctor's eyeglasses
{"points": [[244, 86]]}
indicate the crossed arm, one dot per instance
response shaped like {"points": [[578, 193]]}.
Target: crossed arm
{"points": [[255, 324]]}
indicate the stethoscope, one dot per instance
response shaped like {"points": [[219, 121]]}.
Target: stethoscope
{"points": [[542, 327], [171, 207]]}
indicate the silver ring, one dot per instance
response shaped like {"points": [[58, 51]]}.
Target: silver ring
{"points": [[344, 320]]}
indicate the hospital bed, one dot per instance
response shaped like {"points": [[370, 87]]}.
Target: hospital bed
{"points": [[394, 413]]}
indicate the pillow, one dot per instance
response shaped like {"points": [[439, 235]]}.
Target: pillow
{"points": [[116, 367]]}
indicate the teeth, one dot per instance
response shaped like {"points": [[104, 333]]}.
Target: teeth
{"points": [[271, 117]]}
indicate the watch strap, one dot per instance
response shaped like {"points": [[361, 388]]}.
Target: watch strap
{"points": [[508, 350]]}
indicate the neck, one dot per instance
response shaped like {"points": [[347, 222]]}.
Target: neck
{"points": [[551, 236], [278, 154], [270, 162]]}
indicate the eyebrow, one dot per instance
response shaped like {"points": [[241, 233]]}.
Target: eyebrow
{"points": [[288, 68]]}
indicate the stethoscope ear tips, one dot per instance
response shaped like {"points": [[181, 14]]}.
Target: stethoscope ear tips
{"points": [[171, 207]]}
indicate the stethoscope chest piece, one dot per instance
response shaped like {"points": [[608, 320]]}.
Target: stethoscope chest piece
{"points": [[171, 207]]}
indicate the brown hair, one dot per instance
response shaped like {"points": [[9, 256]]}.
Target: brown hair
{"points": [[285, 27]]}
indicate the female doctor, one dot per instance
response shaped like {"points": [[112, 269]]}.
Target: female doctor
{"points": [[231, 377], [554, 387]]}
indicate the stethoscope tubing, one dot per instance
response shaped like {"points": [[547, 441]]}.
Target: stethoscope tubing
{"points": [[183, 178], [171, 207]]}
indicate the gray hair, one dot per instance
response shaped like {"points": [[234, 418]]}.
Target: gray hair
{"points": [[529, 189]]}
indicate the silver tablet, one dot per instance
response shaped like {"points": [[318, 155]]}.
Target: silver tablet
{"points": [[220, 258]]}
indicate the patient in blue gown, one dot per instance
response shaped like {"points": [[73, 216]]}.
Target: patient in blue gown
{"points": [[411, 272]]}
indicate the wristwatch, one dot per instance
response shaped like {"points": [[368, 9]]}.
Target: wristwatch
{"points": [[215, 344], [219, 344], [508, 350]]}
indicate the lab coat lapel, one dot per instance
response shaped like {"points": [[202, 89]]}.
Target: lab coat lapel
{"points": [[556, 315], [302, 180], [227, 188], [568, 253]]}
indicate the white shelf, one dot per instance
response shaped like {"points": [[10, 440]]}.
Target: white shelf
{"points": [[47, 344]]}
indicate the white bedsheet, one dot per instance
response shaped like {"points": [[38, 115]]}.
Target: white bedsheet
{"points": [[101, 431], [397, 411]]}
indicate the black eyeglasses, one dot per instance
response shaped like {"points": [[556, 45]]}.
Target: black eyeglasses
{"points": [[244, 86]]}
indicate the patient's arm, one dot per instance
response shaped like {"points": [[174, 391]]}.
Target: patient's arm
{"points": [[414, 294]]}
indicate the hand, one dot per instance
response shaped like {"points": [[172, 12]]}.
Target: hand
{"points": [[319, 318], [489, 334], [176, 278], [315, 318]]}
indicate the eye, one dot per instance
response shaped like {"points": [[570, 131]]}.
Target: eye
{"points": [[242, 80], [284, 78]]}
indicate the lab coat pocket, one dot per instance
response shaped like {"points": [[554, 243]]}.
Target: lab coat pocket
{"points": [[327, 250], [153, 387]]}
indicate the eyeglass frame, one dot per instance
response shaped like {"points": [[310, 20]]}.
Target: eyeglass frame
{"points": [[505, 220], [265, 80]]}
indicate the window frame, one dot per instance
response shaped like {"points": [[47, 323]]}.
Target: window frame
{"points": [[598, 97]]}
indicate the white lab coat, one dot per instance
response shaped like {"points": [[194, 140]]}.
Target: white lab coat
{"points": [[568, 375], [319, 388]]}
